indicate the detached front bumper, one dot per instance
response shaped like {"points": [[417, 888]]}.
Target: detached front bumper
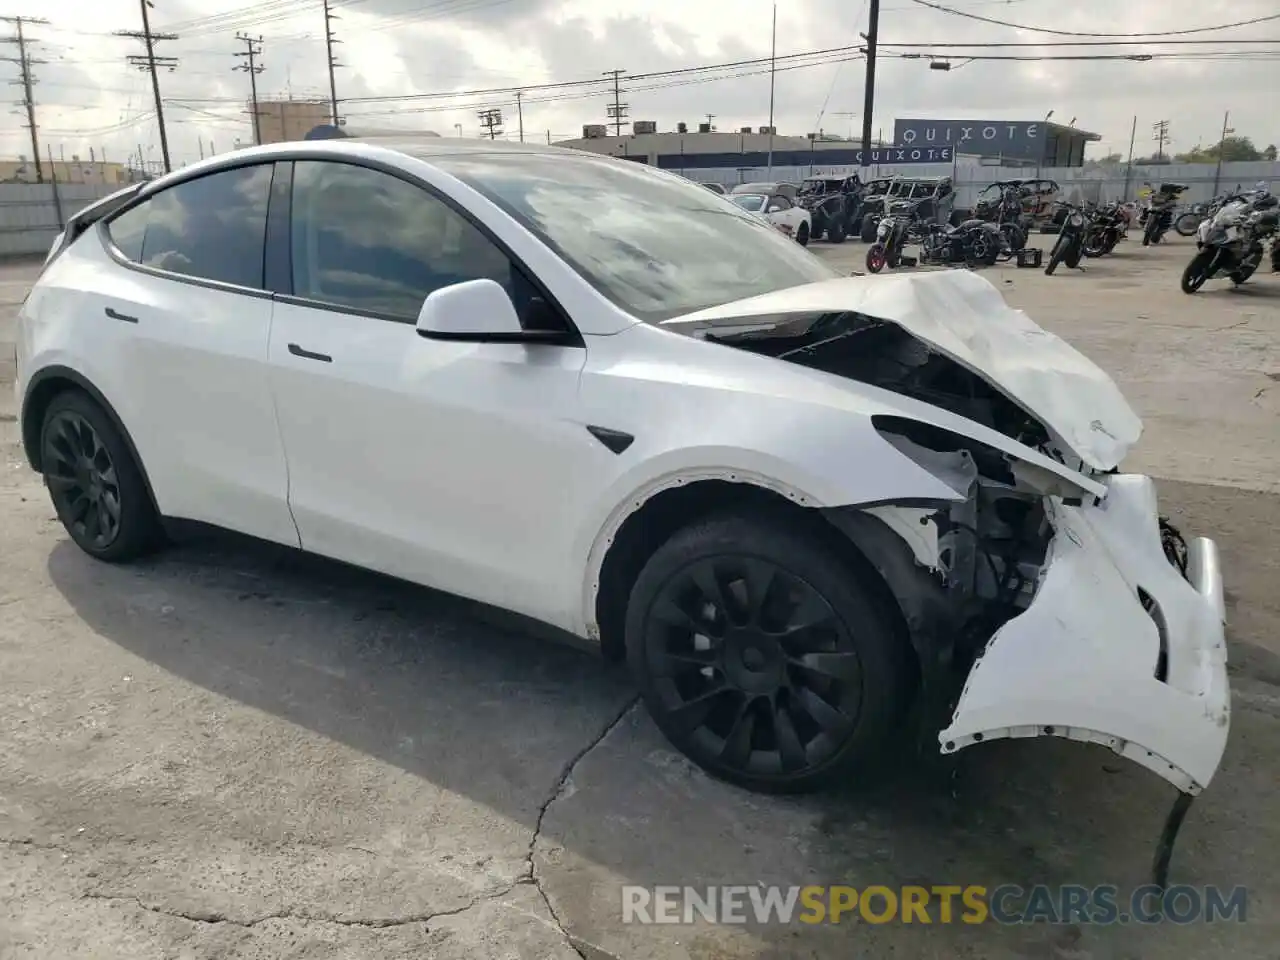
{"points": [[1116, 648]]}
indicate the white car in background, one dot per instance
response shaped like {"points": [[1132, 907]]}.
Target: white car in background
{"points": [[787, 216], [803, 507]]}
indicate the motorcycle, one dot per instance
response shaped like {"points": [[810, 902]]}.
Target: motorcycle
{"points": [[892, 234], [1069, 247], [1105, 228], [1189, 221], [1232, 243], [1159, 219], [974, 243]]}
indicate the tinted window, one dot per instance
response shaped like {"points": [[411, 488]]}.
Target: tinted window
{"points": [[749, 201], [211, 228], [779, 203], [656, 245], [371, 241]]}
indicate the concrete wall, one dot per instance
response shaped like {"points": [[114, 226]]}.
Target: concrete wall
{"points": [[1093, 182], [29, 216]]}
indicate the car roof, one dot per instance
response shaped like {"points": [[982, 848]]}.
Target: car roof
{"points": [[419, 147]]}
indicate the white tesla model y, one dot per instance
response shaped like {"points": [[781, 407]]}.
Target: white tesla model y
{"points": [[601, 396]]}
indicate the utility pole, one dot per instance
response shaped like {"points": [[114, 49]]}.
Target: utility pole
{"points": [[869, 93], [520, 112], [26, 81], [1128, 170], [253, 47], [1222, 145], [1161, 135], [710, 117], [491, 120], [329, 41], [618, 111], [150, 63], [773, 69]]}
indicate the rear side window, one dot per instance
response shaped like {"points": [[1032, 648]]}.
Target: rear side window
{"points": [[212, 228]]}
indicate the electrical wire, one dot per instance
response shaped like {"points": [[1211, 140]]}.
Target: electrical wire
{"points": [[1075, 33]]}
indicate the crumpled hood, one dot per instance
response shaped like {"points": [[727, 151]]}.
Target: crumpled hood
{"points": [[964, 317]]}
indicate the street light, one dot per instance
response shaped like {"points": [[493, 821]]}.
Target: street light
{"points": [[1045, 136]]}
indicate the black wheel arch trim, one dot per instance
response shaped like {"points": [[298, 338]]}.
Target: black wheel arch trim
{"points": [[31, 424]]}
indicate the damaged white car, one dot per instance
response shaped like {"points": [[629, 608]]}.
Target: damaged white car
{"points": [[597, 395]]}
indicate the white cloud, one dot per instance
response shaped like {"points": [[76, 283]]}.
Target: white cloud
{"points": [[89, 97]]}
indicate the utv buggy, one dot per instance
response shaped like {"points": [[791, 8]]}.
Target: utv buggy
{"points": [[929, 200], [831, 202]]}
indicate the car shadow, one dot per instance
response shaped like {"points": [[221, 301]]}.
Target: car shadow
{"points": [[470, 701]]}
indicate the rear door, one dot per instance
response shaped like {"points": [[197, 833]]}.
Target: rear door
{"points": [[186, 299]]}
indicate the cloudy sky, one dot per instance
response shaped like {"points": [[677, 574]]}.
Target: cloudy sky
{"points": [[88, 96]]}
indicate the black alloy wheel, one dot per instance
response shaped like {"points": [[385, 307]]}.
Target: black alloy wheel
{"points": [[1197, 271], [757, 672], [96, 488]]}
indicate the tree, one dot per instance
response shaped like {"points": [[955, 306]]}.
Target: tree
{"points": [[1230, 150], [1269, 153], [1111, 158]]}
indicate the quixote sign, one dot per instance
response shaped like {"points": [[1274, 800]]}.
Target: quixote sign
{"points": [[906, 154], [1008, 138]]}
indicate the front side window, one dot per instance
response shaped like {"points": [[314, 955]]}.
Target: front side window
{"points": [[367, 240], [211, 228], [778, 203], [749, 201], [655, 245]]}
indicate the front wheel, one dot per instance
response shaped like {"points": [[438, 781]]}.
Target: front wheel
{"points": [[1151, 234], [802, 235], [1056, 255], [764, 656], [877, 257], [1197, 271], [96, 486]]}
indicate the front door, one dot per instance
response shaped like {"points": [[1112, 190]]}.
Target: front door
{"points": [[445, 463]]}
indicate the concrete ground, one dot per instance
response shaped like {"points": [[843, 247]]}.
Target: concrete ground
{"points": [[234, 751]]}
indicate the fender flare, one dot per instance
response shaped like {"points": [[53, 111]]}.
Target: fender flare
{"points": [[30, 425]]}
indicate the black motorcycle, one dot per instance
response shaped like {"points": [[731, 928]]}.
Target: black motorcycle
{"points": [[1159, 218], [1104, 229], [892, 235], [1069, 247]]}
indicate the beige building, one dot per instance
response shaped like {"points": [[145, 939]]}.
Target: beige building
{"points": [[73, 170], [280, 121]]}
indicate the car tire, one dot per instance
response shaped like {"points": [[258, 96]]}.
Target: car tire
{"points": [[96, 485], [763, 655], [802, 235], [868, 229], [835, 232]]}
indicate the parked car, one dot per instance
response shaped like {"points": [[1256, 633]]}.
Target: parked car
{"points": [[798, 504], [930, 200], [779, 188], [786, 216], [831, 202]]}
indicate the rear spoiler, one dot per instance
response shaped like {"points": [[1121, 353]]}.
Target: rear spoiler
{"points": [[90, 215]]}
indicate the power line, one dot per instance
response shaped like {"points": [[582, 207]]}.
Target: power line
{"points": [[150, 62], [253, 47], [1051, 44], [617, 111], [1076, 33], [25, 61]]}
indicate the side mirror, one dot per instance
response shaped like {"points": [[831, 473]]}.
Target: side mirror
{"points": [[476, 310]]}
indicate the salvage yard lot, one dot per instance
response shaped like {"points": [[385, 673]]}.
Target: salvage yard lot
{"points": [[232, 750]]}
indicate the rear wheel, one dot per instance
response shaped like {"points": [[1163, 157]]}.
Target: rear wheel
{"points": [[1243, 274], [1197, 271], [763, 657], [868, 230], [835, 232], [877, 257], [96, 486], [1186, 224], [802, 235]]}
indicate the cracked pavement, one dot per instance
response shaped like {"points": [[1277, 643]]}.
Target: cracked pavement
{"points": [[233, 751]]}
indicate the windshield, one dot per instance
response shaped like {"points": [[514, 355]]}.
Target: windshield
{"points": [[654, 244], [750, 201], [820, 186]]}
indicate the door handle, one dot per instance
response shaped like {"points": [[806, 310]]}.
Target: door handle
{"points": [[297, 351], [116, 315]]}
